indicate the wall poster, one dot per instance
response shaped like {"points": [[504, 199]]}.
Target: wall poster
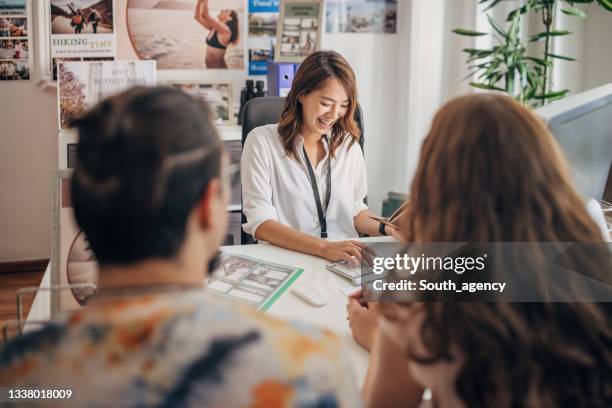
{"points": [[14, 43], [83, 84], [263, 17], [300, 30], [82, 30], [185, 34]]}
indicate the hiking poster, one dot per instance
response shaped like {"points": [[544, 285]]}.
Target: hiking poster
{"points": [[82, 30], [263, 17], [184, 34]]}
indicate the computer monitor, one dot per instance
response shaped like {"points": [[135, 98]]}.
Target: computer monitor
{"points": [[582, 125]]}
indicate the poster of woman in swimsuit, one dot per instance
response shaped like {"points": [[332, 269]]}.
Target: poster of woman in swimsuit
{"points": [[187, 34]]}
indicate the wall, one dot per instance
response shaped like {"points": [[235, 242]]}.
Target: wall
{"points": [[28, 152]]}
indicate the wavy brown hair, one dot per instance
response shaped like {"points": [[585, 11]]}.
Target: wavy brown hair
{"points": [[490, 171], [312, 75]]}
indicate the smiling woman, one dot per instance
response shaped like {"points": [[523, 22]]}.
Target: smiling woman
{"points": [[304, 179]]}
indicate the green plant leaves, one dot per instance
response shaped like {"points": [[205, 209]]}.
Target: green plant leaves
{"points": [[496, 26], [490, 6], [607, 4], [506, 67], [556, 33], [574, 12], [540, 61], [486, 86], [562, 57], [553, 95], [471, 33]]}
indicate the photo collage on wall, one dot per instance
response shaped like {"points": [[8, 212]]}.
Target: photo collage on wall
{"points": [[299, 35], [81, 30], [263, 18], [14, 44]]}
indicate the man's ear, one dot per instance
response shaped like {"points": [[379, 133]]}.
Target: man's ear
{"points": [[208, 201]]}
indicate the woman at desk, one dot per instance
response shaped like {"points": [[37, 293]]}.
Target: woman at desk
{"points": [[304, 179]]}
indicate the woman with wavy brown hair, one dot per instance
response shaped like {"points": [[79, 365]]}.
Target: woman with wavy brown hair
{"points": [[489, 171], [304, 179]]}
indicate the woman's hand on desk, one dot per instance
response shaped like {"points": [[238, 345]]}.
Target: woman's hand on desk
{"points": [[342, 251], [363, 320]]}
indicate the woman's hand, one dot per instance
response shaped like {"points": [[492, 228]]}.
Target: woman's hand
{"points": [[363, 320], [342, 251], [394, 232]]}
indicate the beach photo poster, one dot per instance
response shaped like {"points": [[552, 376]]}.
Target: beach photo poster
{"points": [[81, 30], [263, 19], [82, 84], [14, 41], [299, 34], [361, 16], [187, 34]]}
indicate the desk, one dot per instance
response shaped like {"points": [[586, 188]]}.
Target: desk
{"points": [[331, 316]]}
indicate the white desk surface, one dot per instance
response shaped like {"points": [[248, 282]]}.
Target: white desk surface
{"points": [[289, 307]]}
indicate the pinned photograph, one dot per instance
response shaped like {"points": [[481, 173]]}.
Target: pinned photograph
{"points": [[299, 34], [55, 62], [361, 16], [83, 84], [218, 95], [13, 27], [14, 49], [81, 16], [14, 70], [13, 8], [262, 24], [188, 34]]}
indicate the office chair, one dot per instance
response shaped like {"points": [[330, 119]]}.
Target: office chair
{"points": [[265, 111]]}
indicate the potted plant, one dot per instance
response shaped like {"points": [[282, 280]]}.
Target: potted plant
{"points": [[507, 66]]}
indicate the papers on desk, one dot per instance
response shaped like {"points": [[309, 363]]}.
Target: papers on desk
{"points": [[251, 280]]}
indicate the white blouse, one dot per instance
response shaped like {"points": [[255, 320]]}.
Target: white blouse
{"points": [[277, 187]]}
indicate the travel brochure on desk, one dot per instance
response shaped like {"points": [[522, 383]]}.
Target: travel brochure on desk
{"points": [[251, 280]]}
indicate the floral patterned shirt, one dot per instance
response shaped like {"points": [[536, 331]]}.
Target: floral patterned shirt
{"points": [[185, 348]]}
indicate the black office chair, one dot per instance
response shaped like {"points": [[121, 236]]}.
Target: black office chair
{"points": [[265, 111]]}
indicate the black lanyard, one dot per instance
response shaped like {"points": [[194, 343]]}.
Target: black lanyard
{"points": [[315, 192]]}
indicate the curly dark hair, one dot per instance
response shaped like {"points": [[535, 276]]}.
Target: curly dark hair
{"points": [[490, 171]]}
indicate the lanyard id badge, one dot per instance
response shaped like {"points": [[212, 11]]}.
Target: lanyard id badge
{"points": [[315, 192]]}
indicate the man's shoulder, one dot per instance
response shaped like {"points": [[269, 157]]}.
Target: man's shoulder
{"points": [[272, 329]]}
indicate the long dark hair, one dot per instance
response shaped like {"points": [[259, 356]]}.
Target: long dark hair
{"points": [[490, 171], [234, 27], [314, 71]]}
